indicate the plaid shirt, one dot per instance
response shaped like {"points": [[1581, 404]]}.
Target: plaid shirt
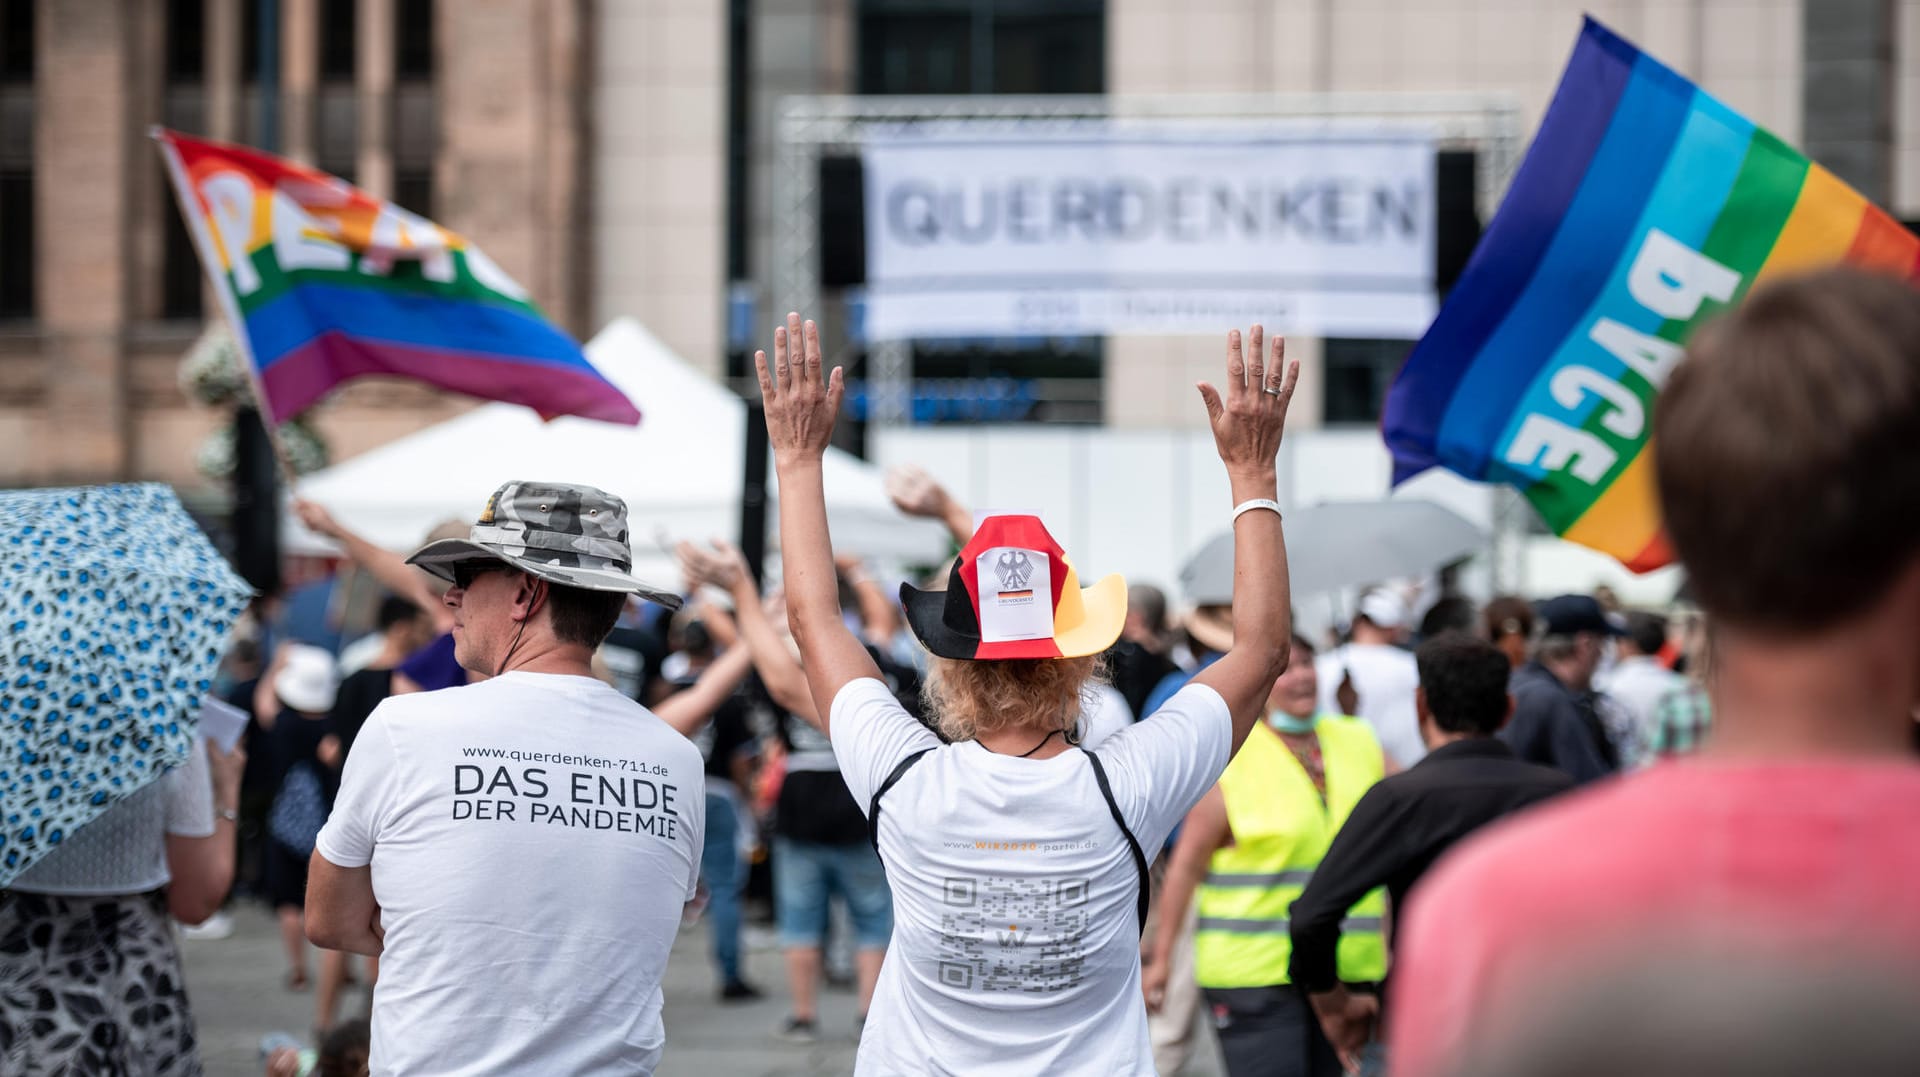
{"points": [[1680, 722]]}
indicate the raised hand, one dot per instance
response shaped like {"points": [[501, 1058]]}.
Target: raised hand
{"points": [[915, 492], [1248, 422], [315, 518], [801, 402], [722, 566]]}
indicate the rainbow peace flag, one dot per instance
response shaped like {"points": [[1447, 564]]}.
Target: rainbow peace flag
{"points": [[325, 283], [1643, 207]]}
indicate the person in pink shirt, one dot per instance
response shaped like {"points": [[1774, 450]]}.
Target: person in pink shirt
{"points": [[1788, 468]]}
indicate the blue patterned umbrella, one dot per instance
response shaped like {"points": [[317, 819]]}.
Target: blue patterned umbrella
{"points": [[114, 608]]}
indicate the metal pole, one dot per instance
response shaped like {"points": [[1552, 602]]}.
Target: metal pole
{"points": [[753, 492]]}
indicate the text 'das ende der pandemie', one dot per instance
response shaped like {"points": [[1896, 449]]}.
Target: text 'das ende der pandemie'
{"points": [[569, 791]]}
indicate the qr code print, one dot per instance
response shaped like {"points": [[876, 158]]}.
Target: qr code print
{"points": [[1007, 934]]}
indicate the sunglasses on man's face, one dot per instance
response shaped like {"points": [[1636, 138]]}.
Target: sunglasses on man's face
{"points": [[468, 571]]}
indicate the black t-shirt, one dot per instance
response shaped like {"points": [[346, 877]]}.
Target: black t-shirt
{"points": [[359, 694], [814, 803], [723, 737], [634, 656]]}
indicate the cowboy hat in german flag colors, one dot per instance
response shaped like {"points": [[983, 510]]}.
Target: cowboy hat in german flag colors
{"points": [[1014, 594]]}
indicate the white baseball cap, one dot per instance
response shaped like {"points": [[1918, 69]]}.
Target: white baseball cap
{"points": [[307, 680], [1384, 608]]}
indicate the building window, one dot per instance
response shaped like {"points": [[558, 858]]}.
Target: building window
{"points": [[982, 46], [16, 159], [1357, 374], [416, 132], [186, 40], [337, 39], [413, 39], [183, 107], [336, 148], [972, 47]]}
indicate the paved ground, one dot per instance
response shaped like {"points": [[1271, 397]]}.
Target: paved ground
{"points": [[235, 986]]}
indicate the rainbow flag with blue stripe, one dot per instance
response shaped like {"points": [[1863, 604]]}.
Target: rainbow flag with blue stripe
{"points": [[1643, 207], [325, 283]]}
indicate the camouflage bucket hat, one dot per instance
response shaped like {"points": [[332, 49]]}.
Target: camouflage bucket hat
{"points": [[575, 536]]}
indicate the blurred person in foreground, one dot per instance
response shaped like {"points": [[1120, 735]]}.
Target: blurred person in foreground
{"points": [[1637, 683], [1402, 825], [1007, 841], [517, 851], [1789, 480], [1380, 675], [1244, 854], [1556, 713], [1690, 1014]]}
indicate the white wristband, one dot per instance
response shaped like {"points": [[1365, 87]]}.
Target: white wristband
{"points": [[1257, 503]]}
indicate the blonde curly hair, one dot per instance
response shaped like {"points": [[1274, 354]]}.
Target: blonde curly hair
{"points": [[971, 698]]}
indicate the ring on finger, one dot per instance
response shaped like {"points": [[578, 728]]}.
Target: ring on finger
{"points": [[1270, 390]]}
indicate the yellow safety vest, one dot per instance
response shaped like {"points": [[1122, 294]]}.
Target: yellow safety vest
{"points": [[1281, 829]]}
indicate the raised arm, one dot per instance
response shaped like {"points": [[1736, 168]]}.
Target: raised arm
{"points": [[687, 710], [1247, 425], [916, 493], [779, 670], [384, 565], [802, 403], [879, 612]]}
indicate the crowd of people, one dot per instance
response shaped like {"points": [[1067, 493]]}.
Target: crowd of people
{"points": [[1041, 825]]}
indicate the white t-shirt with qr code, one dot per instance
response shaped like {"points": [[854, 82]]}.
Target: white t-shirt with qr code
{"points": [[533, 838], [1016, 947]]}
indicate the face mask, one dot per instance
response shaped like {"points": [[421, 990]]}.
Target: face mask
{"points": [[1283, 722]]}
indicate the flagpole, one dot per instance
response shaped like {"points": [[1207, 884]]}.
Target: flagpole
{"points": [[209, 250]]}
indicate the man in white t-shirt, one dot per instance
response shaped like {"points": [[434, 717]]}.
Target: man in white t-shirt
{"points": [[1382, 675], [518, 850]]}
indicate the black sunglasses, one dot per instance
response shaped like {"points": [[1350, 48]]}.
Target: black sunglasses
{"points": [[465, 572]]}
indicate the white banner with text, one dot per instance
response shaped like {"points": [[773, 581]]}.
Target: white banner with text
{"points": [[1069, 228]]}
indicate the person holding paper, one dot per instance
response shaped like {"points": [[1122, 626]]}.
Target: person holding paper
{"points": [[1017, 861], [114, 998]]}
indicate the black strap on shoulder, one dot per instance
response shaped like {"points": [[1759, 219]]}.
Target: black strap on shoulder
{"points": [[1133, 844], [873, 806]]}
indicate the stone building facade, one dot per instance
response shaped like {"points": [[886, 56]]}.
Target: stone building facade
{"points": [[474, 112]]}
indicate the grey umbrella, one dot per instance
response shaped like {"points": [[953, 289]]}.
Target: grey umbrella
{"points": [[1345, 544]]}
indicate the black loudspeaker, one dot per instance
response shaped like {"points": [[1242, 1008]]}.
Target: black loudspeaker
{"points": [[256, 504], [753, 492], [1457, 223], [843, 222]]}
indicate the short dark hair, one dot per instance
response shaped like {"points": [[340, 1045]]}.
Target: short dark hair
{"points": [[1648, 631], [583, 617], [395, 610], [1302, 642], [1466, 683], [1785, 451], [1508, 615], [1450, 614]]}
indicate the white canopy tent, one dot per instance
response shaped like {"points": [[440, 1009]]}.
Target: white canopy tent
{"points": [[680, 471]]}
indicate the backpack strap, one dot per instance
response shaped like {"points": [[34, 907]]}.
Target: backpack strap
{"points": [[873, 806], [1133, 844]]}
